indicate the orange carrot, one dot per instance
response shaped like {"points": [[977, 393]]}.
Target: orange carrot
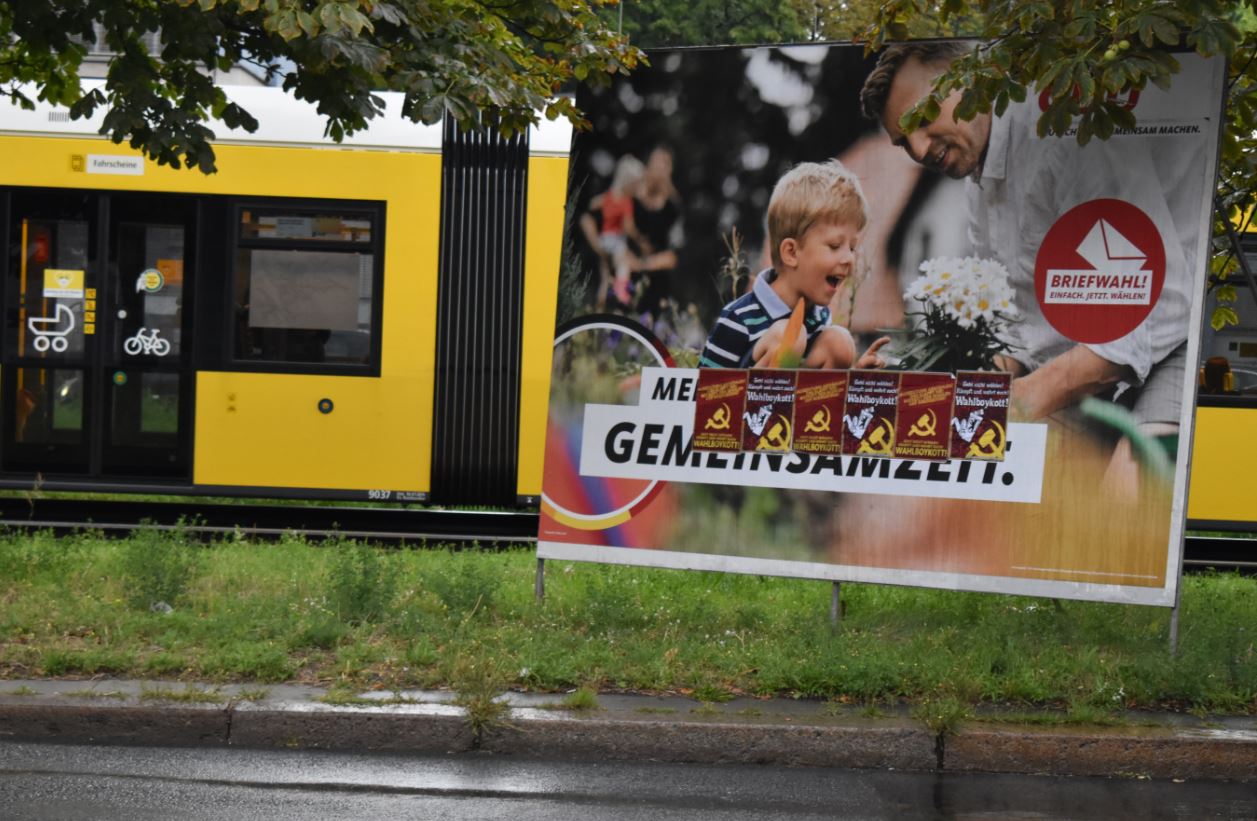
{"points": [[785, 349]]}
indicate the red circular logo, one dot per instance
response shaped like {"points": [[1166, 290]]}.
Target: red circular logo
{"points": [[1099, 271]]}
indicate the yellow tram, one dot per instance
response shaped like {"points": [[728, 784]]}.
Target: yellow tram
{"points": [[272, 329]]}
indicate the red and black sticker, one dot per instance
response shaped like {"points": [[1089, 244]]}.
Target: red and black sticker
{"points": [[819, 400], [980, 415], [720, 398], [768, 421], [924, 416], [868, 423]]}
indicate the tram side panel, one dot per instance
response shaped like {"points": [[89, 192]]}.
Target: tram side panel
{"points": [[1224, 456], [366, 435], [547, 193]]}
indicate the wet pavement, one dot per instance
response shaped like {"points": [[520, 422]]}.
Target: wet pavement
{"points": [[40, 782]]}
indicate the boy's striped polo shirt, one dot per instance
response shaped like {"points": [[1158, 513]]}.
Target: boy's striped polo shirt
{"points": [[744, 320]]}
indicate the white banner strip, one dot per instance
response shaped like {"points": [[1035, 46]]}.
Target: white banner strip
{"points": [[651, 441]]}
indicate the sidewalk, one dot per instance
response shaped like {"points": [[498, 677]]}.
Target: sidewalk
{"points": [[624, 727]]}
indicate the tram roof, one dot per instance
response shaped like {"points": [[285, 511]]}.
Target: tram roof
{"points": [[283, 120]]}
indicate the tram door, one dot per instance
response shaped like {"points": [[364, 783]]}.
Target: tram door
{"points": [[95, 379]]}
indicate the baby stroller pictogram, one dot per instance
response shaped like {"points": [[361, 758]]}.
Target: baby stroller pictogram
{"points": [[42, 328]]}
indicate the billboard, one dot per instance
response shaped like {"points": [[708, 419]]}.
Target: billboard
{"points": [[794, 341]]}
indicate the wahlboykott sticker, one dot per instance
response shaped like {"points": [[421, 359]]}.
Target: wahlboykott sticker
{"points": [[868, 423], [922, 430], [980, 415], [718, 405], [819, 400], [768, 418]]}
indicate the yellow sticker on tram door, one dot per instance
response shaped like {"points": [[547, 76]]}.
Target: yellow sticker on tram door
{"points": [[63, 283]]}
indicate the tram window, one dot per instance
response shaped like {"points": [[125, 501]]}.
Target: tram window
{"points": [[305, 285], [322, 227]]}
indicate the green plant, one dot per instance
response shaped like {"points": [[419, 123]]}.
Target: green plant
{"points": [[479, 679], [942, 715], [469, 583], [342, 694], [323, 633], [712, 694], [872, 709], [25, 555], [165, 664], [359, 585], [582, 698], [157, 567], [113, 694]]}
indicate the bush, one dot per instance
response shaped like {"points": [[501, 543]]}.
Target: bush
{"points": [[359, 586], [158, 566], [469, 585], [26, 555]]}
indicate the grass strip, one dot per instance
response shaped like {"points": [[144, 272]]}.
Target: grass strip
{"points": [[341, 614]]}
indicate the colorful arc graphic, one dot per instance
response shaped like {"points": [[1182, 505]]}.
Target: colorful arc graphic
{"points": [[621, 514]]}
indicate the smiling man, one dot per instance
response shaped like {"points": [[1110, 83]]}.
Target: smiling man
{"points": [[946, 145], [1024, 194]]}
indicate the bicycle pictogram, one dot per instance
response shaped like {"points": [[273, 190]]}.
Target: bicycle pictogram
{"points": [[146, 342]]}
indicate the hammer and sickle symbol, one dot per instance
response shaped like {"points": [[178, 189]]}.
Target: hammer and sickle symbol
{"points": [[720, 419], [777, 437], [880, 441], [819, 423], [927, 425], [990, 444]]}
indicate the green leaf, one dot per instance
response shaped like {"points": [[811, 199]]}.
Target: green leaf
{"points": [[1102, 123], [1085, 130], [287, 25], [1087, 88], [967, 108], [931, 109], [1165, 31], [1223, 315], [1001, 103], [307, 22]]}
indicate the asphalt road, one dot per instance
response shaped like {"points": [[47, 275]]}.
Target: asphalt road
{"points": [[45, 781]]}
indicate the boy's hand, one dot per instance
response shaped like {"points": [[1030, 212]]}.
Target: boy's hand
{"points": [[870, 358], [765, 350]]}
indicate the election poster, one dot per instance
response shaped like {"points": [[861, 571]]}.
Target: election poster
{"points": [[794, 340]]}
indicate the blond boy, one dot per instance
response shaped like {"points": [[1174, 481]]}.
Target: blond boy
{"points": [[815, 217]]}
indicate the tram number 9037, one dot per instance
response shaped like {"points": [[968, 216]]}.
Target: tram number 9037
{"points": [[379, 495]]}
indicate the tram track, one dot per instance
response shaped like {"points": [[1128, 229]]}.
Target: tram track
{"points": [[388, 526], [206, 520]]}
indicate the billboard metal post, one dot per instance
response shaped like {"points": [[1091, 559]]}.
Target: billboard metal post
{"points": [[835, 606], [539, 586], [1174, 630]]}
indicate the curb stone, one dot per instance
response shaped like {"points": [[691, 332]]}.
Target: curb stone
{"points": [[781, 731], [1157, 752]]}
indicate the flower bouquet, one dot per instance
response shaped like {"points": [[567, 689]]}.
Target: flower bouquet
{"points": [[966, 310]]}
